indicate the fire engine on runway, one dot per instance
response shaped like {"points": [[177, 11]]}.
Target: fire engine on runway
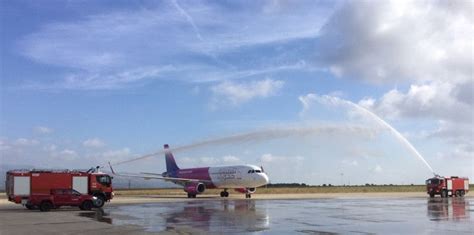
{"points": [[21, 185], [447, 186]]}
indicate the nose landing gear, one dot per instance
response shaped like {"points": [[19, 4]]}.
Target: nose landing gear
{"points": [[224, 193]]}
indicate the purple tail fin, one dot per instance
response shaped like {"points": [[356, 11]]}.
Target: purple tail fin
{"points": [[170, 162]]}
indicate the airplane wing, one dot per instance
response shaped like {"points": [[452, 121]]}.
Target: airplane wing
{"points": [[146, 173], [148, 176]]}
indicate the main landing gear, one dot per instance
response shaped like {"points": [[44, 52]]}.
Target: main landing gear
{"points": [[248, 195], [191, 195], [224, 193]]}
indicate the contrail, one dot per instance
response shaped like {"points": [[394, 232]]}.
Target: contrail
{"points": [[261, 135], [188, 18]]}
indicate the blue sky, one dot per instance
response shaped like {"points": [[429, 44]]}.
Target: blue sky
{"points": [[86, 82]]}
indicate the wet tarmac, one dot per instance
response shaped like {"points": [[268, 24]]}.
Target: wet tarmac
{"points": [[315, 216]]}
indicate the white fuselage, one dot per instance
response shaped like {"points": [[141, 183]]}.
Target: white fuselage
{"points": [[243, 176]]}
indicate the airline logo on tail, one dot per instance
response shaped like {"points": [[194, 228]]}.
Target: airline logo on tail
{"points": [[171, 166]]}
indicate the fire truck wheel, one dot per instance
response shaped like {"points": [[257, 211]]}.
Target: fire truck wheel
{"points": [[458, 193], [444, 193], [462, 193], [100, 201], [86, 205], [46, 206], [432, 194]]}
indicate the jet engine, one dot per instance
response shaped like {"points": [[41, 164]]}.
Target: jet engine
{"points": [[194, 188], [246, 190]]}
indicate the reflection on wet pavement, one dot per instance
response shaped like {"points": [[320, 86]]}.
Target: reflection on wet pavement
{"points": [[97, 214], [448, 209], [317, 216]]}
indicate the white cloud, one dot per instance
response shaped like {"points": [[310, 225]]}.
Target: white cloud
{"points": [[4, 145], [93, 143], [43, 130], [55, 154], [377, 169], [348, 162], [367, 102], [393, 41], [116, 154], [113, 53], [267, 158], [453, 131], [434, 100], [306, 101], [188, 161], [230, 159], [67, 154], [50, 148], [26, 142], [364, 153], [270, 158], [282, 166], [237, 93], [209, 160]]}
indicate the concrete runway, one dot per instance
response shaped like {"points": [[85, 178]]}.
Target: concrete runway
{"points": [[385, 215]]}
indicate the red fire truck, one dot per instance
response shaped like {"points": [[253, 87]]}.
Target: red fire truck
{"points": [[447, 186], [21, 184]]}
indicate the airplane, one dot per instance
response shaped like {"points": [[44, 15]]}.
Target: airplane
{"points": [[241, 178]]}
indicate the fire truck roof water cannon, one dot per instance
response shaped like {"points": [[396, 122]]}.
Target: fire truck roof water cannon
{"points": [[453, 186], [26, 185]]}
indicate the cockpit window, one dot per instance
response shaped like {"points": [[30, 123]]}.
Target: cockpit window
{"points": [[254, 171], [258, 171]]}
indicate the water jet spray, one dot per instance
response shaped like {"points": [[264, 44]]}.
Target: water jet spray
{"points": [[326, 99], [260, 135]]}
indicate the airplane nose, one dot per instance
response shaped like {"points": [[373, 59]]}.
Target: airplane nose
{"points": [[265, 179]]}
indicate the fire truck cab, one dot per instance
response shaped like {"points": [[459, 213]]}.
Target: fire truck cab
{"points": [[447, 186]]}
